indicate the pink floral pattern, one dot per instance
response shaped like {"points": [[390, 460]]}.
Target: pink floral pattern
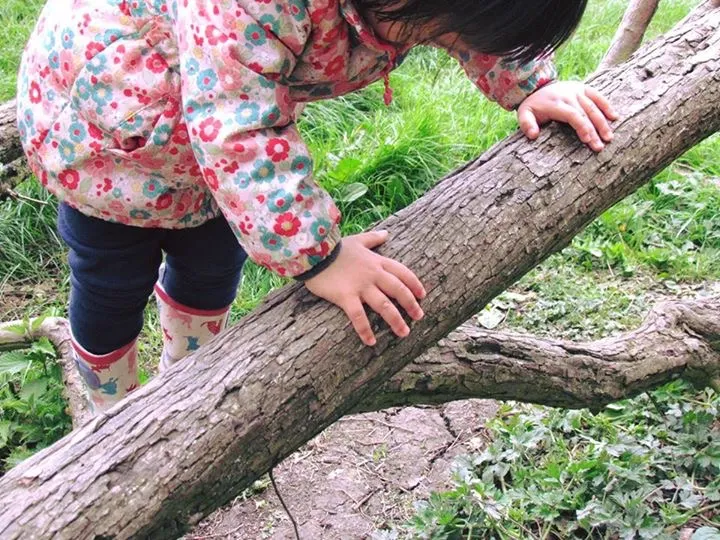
{"points": [[165, 113]]}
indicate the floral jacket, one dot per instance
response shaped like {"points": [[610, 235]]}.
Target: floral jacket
{"points": [[166, 113]]}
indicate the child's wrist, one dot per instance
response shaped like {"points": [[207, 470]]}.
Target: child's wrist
{"points": [[322, 265]]}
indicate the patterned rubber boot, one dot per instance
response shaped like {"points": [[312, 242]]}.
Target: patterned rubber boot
{"points": [[184, 328], [108, 377]]}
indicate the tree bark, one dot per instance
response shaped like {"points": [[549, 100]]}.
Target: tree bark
{"points": [[194, 437], [677, 339], [13, 166], [10, 148], [630, 33]]}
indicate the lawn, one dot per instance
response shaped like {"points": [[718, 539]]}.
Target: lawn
{"points": [[663, 241]]}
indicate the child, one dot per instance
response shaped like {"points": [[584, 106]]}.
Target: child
{"points": [[168, 126]]}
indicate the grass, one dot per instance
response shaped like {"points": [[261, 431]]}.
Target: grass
{"points": [[18, 17], [662, 241]]}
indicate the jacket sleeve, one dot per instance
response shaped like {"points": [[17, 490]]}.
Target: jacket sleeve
{"points": [[506, 82], [240, 119]]}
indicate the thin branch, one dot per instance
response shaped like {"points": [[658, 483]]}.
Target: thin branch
{"points": [[630, 33]]}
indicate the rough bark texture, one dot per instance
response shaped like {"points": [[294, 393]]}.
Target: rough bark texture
{"points": [[13, 167], [630, 33], [193, 438], [677, 339], [57, 330], [10, 148], [11, 175]]}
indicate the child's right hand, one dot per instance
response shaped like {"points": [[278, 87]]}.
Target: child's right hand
{"points": [[359, 275]]}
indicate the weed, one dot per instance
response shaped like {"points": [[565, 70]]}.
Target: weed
{"points": [[32, 406]]}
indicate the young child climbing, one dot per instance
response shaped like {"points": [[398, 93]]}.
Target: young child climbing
{"points": [[168, 126]]}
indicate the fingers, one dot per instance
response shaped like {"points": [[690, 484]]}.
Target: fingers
{"points": [[382, 305], [394, 288], [356, 313], [598, 119], [405, 275], [528, 122], [578, 120], [602, 103], [372, 239]]}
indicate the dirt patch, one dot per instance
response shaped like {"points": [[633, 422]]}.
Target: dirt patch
{"points": [[18, 301], [359, 476]]}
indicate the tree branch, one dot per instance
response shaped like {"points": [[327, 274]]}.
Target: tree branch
{"points": [[677, 339], [630, 33]]}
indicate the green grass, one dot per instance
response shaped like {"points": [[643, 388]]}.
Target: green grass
{"points": [[18, 18], [375, 160], [31, 251]]}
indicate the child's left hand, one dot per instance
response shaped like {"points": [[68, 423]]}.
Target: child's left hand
{"points": [[584, 108]]}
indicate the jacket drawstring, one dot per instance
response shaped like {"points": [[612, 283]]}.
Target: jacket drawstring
{"points": [[388, 95]]}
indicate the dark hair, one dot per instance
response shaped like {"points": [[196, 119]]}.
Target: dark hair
{"points": [[516, 29]]}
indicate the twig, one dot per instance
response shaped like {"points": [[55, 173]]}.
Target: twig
{"points": [[24, 198], [282, 502]]}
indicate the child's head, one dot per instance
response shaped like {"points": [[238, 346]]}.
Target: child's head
{"points": [[518, 29]]}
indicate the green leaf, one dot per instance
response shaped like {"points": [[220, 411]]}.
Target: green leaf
{"points": [[34, 389], [706, 533], [37, 322], [352, 192], [44, 346], [5, 428], [18, 329], [346, 166], [14, 362]]}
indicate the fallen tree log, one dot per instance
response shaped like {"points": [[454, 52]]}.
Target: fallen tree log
{"points": [[10, 148], [193, 438], [13, 166], [677, 339]]}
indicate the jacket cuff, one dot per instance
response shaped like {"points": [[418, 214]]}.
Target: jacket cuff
{"points": [[322, 265], [543, 73]]}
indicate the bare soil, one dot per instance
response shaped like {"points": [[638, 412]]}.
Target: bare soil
{"points": [[359, 476]]}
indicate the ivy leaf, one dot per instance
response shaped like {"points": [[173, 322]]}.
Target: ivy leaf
{"points": [[706, 533], [490, 317]]}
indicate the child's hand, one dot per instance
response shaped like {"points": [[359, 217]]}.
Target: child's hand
{"points": [[584, 108], [359, 275]]}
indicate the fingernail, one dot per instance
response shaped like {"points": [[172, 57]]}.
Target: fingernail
{"points": [[421, 314], [372, 342]]}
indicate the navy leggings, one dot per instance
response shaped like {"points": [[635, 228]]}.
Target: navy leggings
{"points": [[114, 268]]}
